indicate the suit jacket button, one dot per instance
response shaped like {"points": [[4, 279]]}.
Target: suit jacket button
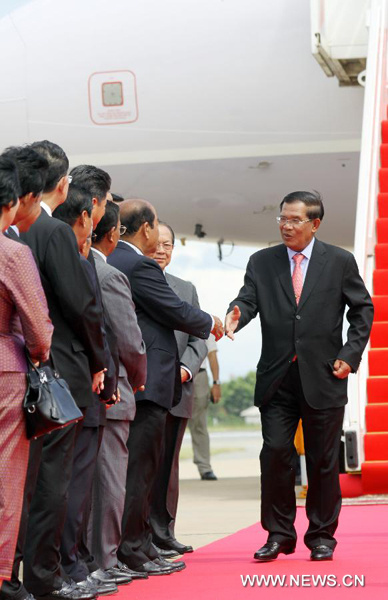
{"points": [[297, 317]]}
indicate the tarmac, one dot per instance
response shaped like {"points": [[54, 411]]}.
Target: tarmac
{"points": [[210, 510]]}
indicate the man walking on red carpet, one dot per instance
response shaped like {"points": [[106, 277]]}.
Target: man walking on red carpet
{"points": [[300, 289]]}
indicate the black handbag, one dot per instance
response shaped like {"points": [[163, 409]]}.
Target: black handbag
{"points": [[48, 404]]}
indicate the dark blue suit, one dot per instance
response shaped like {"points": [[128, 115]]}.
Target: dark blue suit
{"points": [[159, 312]]}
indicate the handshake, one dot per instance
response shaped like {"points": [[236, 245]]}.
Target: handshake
{"points": [[231, 323], [218, 330]]}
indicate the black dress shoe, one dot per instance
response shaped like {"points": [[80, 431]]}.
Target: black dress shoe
{"points": [[208, 476], [177, 565], [166, 553], [114, 575], [321, 553], [70, 591], [127, 571], [271, 550], [152, 568], [173, 546], [98, 581]]}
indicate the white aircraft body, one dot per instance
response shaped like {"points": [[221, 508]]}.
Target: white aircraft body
{"points": [[211, 109]]}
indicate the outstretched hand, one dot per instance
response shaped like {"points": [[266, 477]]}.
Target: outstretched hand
{"points": [[231, 321], [218, 330]]}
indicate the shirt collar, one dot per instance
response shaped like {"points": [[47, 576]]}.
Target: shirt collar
{"points": [[46, 208], [16, 230], [135, 248], [306, 252], [99, 253]]}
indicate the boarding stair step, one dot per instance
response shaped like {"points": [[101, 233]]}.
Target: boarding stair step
{"points": [[378, 361], [376, 417], [382, 230], [380, 304], [374, 477], [379, 335], [381, 256]]}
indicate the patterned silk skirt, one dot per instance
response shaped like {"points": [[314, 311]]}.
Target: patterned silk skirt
{"points": [[14, 448]]}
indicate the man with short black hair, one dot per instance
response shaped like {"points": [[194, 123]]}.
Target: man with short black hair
{"points": [[159, 312], [109, 484], [98, 182], [300, 289], [77, 212], [32, 169], [78, 354]]}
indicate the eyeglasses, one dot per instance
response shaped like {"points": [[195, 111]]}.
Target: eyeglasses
{"points": [[293, 222], [167, 246], [123, 229], [70, 178]]}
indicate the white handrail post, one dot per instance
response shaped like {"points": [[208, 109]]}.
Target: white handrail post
{"points": [[375, 103]]}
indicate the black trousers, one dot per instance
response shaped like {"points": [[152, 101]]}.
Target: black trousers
{"points": [[53, 454], [85, 554], [80, 490], [322, 436], [165, 493], [145, 445]]}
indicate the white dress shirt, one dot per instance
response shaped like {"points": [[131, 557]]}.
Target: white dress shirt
{"points": [[100, 253], [46, 208]]}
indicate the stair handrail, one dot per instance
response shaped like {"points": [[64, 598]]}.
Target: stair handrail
{"points": [[375, 106]]}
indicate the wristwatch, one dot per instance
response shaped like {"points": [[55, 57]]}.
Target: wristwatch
{"points": [[216, 382]]}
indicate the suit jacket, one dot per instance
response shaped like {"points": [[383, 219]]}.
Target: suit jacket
{"points": [[109, 339], [191, 350], [312, 329], [77, 344], [120, 312], [159, 311]]}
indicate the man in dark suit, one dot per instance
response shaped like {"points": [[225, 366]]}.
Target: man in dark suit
{"points": [[110, 478], [77, 212], [300, 289], [159, 312], [77, 351], [97, 182], [192, 351]]}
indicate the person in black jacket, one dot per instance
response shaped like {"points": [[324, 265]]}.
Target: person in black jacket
{"points": [[159, 312], [78, 354], [300, 290], [77, 212]]}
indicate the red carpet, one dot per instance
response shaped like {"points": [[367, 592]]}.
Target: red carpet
{"points": [[214, 571]]}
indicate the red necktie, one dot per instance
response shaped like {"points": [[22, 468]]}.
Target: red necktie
{"points": [[297, 276]]}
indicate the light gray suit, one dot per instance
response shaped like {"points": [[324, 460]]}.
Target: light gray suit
{"points": [[192, 351], [110, 478]]}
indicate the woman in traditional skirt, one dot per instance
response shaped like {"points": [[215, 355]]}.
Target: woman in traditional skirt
{"points": [[24, 322]]}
